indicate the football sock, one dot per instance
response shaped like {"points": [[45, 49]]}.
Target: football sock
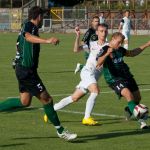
{"points": [[52, 116], [81, 66], [10, 103], [131, 105], [64, 102], [125, 46], [90, 104]]}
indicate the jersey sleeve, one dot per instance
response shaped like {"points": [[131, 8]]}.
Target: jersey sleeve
{"points": [[102, 52], [123, 51], [122, 21], [85, 48], [86, 37], [27, 28]]}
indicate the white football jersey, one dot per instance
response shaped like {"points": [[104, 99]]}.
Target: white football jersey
{"points": [[126, 24], [95, 48]]}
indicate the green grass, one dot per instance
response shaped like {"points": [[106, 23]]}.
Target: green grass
{"points": [[25, 129]]}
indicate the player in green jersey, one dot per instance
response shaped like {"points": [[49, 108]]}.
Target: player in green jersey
{"points": [[117, 73], [30, 84]]}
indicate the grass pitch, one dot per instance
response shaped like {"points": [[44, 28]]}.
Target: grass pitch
{"points": [[25, 129]]}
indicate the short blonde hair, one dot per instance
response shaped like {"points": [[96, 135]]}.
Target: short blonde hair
{"points": [[118, 34]]}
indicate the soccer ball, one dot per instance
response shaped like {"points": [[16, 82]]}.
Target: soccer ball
{"points": [[140, 111]]}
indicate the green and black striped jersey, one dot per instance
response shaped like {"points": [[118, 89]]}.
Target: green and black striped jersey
{"points": [[90, 36], [115, 68], [27, 52]]}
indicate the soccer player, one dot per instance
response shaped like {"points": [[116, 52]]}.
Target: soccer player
{"points": [[30, 84], [89, 75], [125, 26], [101, 18], [117, 73], [89, 36]]}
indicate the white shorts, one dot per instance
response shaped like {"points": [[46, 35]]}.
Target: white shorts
{"points": [[88, 77], [126, 34]]}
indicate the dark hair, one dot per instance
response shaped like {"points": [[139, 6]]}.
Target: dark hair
{"points": [[127, 11], [34, 12], [95, 17], [103, 25]]}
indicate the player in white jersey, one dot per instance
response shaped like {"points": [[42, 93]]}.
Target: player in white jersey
{"points": [[125, 26], [89, 75]]}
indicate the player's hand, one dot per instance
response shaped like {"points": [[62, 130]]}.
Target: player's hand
{"points": [[53, 40], [109, 51], [77, 30]]}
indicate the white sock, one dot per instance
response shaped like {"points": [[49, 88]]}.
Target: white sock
{"points": [[64, 102], [125, 46], [90, 104]]}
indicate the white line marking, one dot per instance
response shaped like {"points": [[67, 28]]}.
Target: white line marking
{"points": [[82, 113], [59, 95], [94, 114]]}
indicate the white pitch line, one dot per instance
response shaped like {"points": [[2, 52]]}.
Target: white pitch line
{"points": [[94, 114], [82, 113], [59, 95]]}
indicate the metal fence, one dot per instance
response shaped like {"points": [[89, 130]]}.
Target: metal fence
{"points": [[142, 26], [10, 19]]}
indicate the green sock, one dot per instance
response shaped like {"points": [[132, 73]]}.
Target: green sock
{"points": [[10, 103], [81, 66], [52, 116], [131, 105]]}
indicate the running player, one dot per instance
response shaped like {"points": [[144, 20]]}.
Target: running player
{"points": [[89, 75], [30, 84], [117, 73], [89, 36], [125, 26]]}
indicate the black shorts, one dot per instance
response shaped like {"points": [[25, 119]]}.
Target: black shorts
{"points": [[29, 81], [120, 84]]}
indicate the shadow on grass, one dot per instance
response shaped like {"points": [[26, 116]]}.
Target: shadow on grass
{"points": [[12, 145], [117, 134], [34, 138], [87, 138], [20, 109]]}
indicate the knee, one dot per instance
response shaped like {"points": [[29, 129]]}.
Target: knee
{"points": [[25, 103], [45, 98], [75, 98], [138, 98]]}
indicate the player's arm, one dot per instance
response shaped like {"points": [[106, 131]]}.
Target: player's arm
{"points": [[35, 39], [137, 51], [120, 25], [86, 37], [77, 46], [102, 57]]}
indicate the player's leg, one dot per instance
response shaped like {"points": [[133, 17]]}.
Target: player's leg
{"points": [[125, 92], [47, 102], [126, 40], [137, 96], [13, 103], [133, 87], [78, 68], [78, 93], [121, 89], [25, 98], [131, 104], [94, 90]]}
